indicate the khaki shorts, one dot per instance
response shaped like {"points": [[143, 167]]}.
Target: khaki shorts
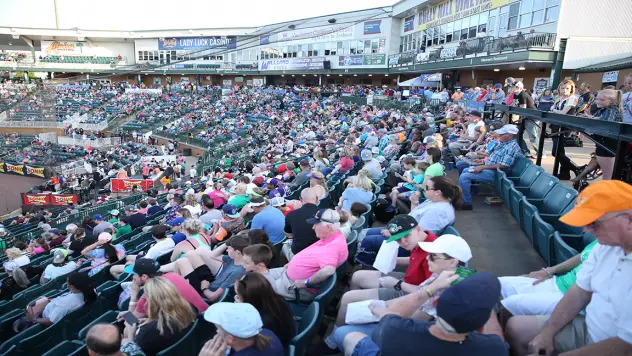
{"points": [[572, 336]]}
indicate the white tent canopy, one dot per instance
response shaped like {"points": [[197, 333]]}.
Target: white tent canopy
{"points": [[415, 82]]}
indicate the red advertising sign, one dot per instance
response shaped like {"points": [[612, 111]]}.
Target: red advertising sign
{"points": [[125, 185], [36, 199], [63, 199]]}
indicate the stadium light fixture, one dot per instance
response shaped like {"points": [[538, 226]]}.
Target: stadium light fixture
{"points": [[522, 68], [327, 74], [283, 75], [292, 74], [315, 75], [386, 75], [340, 75], [496, 70], [355, 75], [303, 74], [370, 75]]}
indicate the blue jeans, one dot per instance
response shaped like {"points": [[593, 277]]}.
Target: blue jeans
{"points": [[465, 182], [342, 331], [462, 165], [370, 245], [533, 131]]}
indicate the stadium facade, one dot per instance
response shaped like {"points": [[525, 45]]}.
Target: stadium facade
{"points": [[458, 43]]}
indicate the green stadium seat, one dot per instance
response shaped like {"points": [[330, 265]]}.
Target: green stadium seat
{"points": [[6, 322], [504, 190], [13, 342], [68, 348], [555, 202], [528, 177], [352, 245], [450, 230], [542, 236], [560, 250], [109, 317], [519, 167], [541, 187], [307, 328], [515, 199], [185, 346]]}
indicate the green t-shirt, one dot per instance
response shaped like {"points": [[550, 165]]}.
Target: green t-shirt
{"points": [[3, 244], [122, 231], [239, 201], [435, 170], [565, 281]]}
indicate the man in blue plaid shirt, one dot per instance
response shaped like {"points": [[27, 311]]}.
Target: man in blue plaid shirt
{"points": [[504, 156]]}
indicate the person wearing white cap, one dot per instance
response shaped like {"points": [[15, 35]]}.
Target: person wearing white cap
{"points": [[446, 253], [58, 267], [371, 165], [240, 330], [502, 157]]}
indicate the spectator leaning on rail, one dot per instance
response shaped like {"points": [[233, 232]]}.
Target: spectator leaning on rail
{"points": [[602, 287], [503, 157]]}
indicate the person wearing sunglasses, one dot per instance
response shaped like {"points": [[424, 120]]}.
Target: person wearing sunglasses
{"points": [[602, 287]]}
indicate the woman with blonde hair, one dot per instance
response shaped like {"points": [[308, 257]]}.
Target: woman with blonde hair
{"points": [[317, 181], [192, 229], [609, 108], [359, 190], [565, 103], [191, 204], [169, 318], [16, 259], [320, 162]]}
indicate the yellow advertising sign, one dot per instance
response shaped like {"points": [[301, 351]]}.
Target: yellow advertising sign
{"points": [[2, 167], [19, 168], [452, 10], [35, 171]]}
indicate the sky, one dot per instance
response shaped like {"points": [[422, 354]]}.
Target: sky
{"points": [[169, 14]]}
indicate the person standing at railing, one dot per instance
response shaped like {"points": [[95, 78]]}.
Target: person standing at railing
{"points": [[524, 100], [564, 104]]}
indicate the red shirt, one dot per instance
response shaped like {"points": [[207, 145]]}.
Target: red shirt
{"points": [[417, 270], [346, 163]]}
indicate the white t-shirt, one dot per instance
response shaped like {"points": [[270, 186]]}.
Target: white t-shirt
{"points": [[606, 273], [160, 248], [374, 169], [51, 272], [433, 217], [192, 172], [471, 128], [19, 262]]}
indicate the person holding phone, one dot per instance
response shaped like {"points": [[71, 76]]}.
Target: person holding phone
{"points": [[170, 318]]}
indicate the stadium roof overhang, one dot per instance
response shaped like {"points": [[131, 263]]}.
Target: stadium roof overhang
{"points": [[609, 66]]}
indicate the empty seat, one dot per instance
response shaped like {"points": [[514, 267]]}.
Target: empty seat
{"points": [[560, 250], [541, 187], [528, 177], [555, 202], [307, 328], [542, 235]]}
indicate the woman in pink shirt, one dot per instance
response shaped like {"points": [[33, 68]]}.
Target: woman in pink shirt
{"points": [[218, 197], [345, 162], [39, 246]]}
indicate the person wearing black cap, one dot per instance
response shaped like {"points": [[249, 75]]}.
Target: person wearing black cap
{"points": [[475, 133], [465, 323]]}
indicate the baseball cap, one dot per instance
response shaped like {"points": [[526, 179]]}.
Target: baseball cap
{"points": [[375, 150], [188, 182], [176, 222], [59, 256], [382, 130], [131, 208], [277, 201], [451, 245], [380, 159], [466, 306], [366, 155], [475, 113], [273, 181], [230, 211], [3, 230], [498, 85], [507, 129], [257, 201], [258, 181], [241, 320], [146, 266], [98, 217], [598, 199], [228, 176], [114, 212], [105, 237], [400, 226], [325, 215]]}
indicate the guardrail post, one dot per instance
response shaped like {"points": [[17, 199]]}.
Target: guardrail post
{"points": [[559, 146], [619, 163], [538, 159]]}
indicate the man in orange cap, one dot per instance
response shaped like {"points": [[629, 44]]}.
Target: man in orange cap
{"points": [[603, 286]]}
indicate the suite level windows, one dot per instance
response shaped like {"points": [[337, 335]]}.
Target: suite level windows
{"points": [[337, 48]]}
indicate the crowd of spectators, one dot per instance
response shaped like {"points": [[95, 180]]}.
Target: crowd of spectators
{"points": [[271, 221]]}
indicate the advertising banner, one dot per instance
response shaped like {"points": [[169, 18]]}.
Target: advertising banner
{"points": [[189, 43], [448, 52], [58, 48], [15, 168], [372, 27], [610, 77], [409, 23], [264, 40], [304, 63], [452, 10], [36, 199], [2, 167], [125, 185], [63, 199], [422, 56], [351, 60], [374, 59], [35, 171], [318, 34]]}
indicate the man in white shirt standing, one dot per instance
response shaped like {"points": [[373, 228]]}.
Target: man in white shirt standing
{"points": [[603, 286]]}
